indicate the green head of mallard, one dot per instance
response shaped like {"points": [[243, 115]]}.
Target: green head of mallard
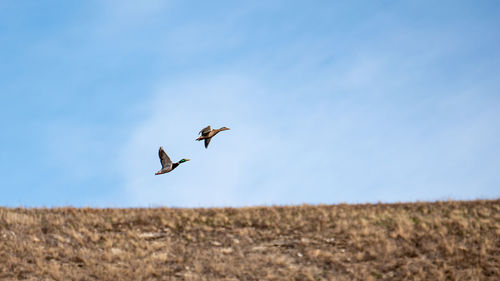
{"points": [[183, 160]]}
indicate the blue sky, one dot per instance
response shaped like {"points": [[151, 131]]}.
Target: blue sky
{"points": [[327, 101]]}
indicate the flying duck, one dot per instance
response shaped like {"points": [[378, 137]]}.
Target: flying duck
{"points": [[166, 163], [207, 133]]}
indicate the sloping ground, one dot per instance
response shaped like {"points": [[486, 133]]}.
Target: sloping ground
{"points": [[418, 241]]}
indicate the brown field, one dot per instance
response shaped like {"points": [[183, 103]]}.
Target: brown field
{"points": [[416, 241]]}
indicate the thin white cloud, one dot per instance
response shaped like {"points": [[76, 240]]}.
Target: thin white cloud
{"points": [[356, 148]]}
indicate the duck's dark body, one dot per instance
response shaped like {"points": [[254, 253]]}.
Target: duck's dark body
{"points": [[174, 165]]}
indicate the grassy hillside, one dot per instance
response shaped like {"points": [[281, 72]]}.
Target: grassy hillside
{"points": [[418, 241]]}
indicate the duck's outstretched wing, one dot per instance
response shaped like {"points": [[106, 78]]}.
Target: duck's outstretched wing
{"points": [[207, 141], [205, 131], [164, 159]]}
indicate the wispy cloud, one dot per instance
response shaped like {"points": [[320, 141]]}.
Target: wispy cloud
{"points": [[355, 130]]}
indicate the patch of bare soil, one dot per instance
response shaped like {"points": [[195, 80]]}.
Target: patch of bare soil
{"points": [[417, 241]]}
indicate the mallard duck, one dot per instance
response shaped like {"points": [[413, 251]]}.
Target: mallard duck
{"points": [[166, 163], [207, 133]]}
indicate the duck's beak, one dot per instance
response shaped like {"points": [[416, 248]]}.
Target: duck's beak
{"points": [[187, 159]]}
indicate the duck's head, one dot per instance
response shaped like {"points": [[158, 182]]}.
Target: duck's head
{"points": [[224, 129], [183, 160]]}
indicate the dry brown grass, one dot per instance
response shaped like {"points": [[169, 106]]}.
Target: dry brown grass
{"points": [[418, 241]]}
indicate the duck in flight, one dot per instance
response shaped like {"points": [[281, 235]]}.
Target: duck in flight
{"points": [[207, 133], [166, 163]]}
